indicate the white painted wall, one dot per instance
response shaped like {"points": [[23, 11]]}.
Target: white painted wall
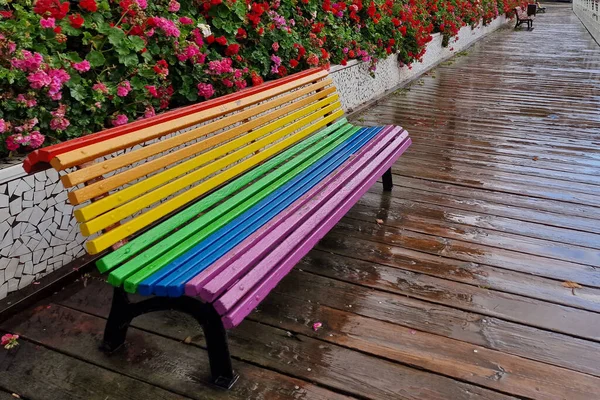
{"points": [[588, 12]]}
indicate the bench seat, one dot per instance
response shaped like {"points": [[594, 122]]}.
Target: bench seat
{"points": [[205, 209], [181, 266]]}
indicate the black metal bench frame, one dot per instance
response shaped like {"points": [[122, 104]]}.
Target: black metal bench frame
{"points": [[123, 311]]}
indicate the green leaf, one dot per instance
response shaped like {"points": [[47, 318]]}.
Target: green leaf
{"points": [[104, 28], [96, 58], [217, 22], [78, 92], [122, 48], [129, 60], [72, 56], [136, 43], [137, 83], [115, 36]]}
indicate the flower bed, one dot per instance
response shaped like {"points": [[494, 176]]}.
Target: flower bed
{"points": [[72, 68]]}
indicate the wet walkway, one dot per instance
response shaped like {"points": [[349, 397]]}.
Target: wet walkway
{"points": [[477, 278]]}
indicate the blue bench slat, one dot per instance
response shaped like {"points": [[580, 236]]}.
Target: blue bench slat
{"points": [[171, 279]]}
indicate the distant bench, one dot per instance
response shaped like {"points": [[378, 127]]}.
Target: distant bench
{"points": [[525, 15], [210, 220]]}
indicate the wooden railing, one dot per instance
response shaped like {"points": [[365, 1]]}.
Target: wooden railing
{"points": [[588, 12]]}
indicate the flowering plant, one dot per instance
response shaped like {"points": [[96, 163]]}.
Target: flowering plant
{"points": [[9, 341], [68, 68]]}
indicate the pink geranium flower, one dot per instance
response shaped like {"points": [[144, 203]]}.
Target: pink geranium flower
{"points": [[2, 126], [83, 66], [205, 90], [100, 87], [48, 23], [123, 89], [174, 6], [149, 112], [120, 119]]}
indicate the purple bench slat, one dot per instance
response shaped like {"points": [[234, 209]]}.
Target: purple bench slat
{"points": [[273, 239], [317, 207], [241, 299], [210, 283]]}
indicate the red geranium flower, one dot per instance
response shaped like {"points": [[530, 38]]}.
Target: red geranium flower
{"points": [[51, 8], [293, 63], [241, 34], [6, 14], [221, 40], [232, 49], [76, 21], [89, 5], [256, 79], [210, 39]]}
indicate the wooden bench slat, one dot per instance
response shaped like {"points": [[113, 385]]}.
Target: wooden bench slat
{"points": [[308, 235], [229, 153], [96, 150], [158, 232], [170, 280], [96, 245], [202, 165], [220, 216], [104, 167], [46, 154], [225, 271], [289, 222]]}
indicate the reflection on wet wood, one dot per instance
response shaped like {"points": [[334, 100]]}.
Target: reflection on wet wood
{"points": [[450, 287]]}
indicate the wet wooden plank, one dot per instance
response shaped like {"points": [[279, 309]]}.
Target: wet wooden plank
{"points": [[460, 360], [510, 199], [437, 159], [466, 251], [430, 225], [507, 306], [36, 372], [504, 164], [342, 284], [483, 208], [155, 359], [7, 396], [524, 187], [396, 211], [479, 275], [468, 173], [302, 357]]}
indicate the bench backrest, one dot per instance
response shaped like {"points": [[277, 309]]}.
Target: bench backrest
{"points": [[145, 174]]}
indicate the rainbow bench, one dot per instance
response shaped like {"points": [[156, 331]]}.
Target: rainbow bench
{"points": [[208, 207]]}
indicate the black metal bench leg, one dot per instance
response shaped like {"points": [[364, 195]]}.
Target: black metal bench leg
{"points": [[118, 322], [218, 349], [387, 181]]}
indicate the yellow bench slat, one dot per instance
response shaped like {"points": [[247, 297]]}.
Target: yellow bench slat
{"points": [[98, 188], [208, 162], [101, 168], [91, 152], [104, 241]]}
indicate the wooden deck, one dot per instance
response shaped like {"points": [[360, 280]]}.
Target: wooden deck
{"points": [[450, 288]]}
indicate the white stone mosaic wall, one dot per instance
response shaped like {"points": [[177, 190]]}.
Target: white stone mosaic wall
{"points": [[37, 229], [38, 233]]}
